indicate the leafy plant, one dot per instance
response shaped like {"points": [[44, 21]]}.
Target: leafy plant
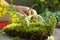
{"points": [[16, 38], [29, 27], [12, 29], [52, 5], [3, 9], [49, 13]]}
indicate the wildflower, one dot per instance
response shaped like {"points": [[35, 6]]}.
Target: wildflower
{"points": [[14, 15], [3, 4], [27, 21], [0, 8], [29, 17], [40, 18], [11, 14], [50, 38], [4, 11], [17, 19], [0, 15], [13, 20], [3, 8]]}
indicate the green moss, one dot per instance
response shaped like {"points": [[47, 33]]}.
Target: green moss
{"points": [[36, 26]]}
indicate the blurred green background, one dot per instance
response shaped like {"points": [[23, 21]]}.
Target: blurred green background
{"points": [[22, 2], [51, 5]]}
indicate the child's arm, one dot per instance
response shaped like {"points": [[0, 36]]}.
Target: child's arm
{"points": [[21, 9], [25, 10]]}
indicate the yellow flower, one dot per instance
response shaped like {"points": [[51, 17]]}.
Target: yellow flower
{"points": [[11, 14], [14, 15], [17, 19], [4, 11], [3, 4], [0, 8], [13, 19], [0, 15]]}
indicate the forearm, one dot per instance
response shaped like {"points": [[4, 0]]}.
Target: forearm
{"points": [[25, 9]]}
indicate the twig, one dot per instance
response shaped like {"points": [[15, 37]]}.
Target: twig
{"points": [[32, 6]]}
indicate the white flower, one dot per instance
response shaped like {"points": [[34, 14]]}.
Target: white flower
{"points": [[50, 38], [29, 17], [27, 21], [40, 18]]}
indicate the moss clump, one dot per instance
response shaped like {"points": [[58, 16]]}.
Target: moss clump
{"points": [[33, 29]]}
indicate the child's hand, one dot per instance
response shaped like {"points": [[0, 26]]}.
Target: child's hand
{"points": [[25, 10]]}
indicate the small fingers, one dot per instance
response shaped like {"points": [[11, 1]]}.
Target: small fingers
{"points": [[33, 12]]}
